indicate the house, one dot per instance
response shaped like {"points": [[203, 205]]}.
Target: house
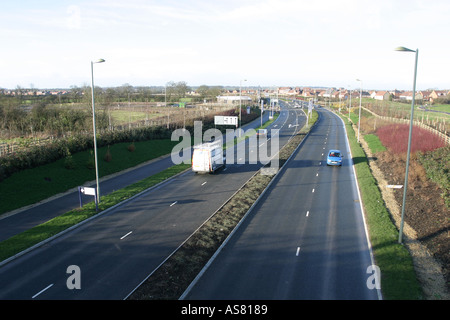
{"points": [[407, 95], [435, 94], [380, 95], [234, 100]]}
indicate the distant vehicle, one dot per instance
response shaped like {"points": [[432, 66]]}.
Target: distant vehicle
{"points": [[208, 157], [334, 158], [261, 132]]}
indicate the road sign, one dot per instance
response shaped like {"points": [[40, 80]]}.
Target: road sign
{"points": [[89, 192], [225, 120]]}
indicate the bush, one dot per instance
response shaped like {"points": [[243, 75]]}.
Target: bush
{"points": [[108, 156], [131, 147], [395, 137]]}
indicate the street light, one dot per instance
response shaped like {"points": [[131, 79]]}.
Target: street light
{"points": [[97, 197], [360, 98], [240, 106], [403, 49]]}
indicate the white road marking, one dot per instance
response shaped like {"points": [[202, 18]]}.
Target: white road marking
{"points": [[313, 190], [298, 251], [203, 183], [47, 287], [126, 235], [173, 203], [307, 213]]}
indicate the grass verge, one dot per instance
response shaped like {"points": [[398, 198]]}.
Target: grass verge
{"points": [[398, 277]]}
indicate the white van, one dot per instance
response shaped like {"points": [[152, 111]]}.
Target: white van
{"points": [[208, 157]]}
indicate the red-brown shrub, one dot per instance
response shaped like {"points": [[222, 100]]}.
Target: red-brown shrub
{"points": [[395, 138]]}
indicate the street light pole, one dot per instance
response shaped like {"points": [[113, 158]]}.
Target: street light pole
{"points": [[360, 98], [240, 106], [409, 139], [97, 197]]}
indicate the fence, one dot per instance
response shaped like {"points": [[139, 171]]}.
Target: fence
{"points": [[444, 136]]}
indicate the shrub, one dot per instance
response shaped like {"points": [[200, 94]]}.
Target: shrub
{"points": [[131, 147], [395, 137], [108, 156]]}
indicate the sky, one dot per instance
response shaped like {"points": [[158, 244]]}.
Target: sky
{"points": [[320, 43]]}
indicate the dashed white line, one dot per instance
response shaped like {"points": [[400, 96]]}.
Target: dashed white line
{"points": [[307, 213], [313, 190], [298, 252], [46, 288], [173, 203], [203, 183], [123, 237]]}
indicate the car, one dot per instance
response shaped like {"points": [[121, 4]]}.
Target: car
{"points": [[334, 158]]}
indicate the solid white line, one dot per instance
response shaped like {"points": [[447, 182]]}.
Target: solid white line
{"points": [[42, 291], [126, 235], [298, 251], [174, 203]]}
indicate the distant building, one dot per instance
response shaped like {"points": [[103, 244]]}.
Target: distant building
{"points": [[234, 100]]}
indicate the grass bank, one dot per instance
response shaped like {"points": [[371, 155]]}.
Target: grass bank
{"points": [[398, 277], [33, 185]]}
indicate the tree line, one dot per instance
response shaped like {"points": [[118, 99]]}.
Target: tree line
{"points": [[24, 114]]}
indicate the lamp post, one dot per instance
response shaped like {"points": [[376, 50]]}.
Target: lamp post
{"points": [[97, 198], [240, 106], [360, 98], [403, 49]]}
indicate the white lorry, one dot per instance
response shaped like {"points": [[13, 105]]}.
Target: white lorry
{"points": [[208, 157]]}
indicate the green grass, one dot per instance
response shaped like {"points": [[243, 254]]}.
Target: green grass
{"points": [[374, 143], [398, 278], [28, 238], [32, 185]]}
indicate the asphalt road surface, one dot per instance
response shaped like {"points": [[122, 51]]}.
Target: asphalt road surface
{"points": [[109, 256], [306, 239]]}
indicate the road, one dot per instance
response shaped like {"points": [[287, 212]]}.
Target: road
{"points": [[305, 239], [119, 249], [32, 216]]}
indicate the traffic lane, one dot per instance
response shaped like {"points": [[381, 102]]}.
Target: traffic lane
{"points": [[315, 249], [251, 265], [102, 257], [162, 218]]}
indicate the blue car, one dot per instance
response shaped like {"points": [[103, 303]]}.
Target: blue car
{"points": [[334, 158]]}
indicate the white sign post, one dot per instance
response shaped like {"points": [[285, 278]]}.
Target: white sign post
{"points": [[89, 192]]}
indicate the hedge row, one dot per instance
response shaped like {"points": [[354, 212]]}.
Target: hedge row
{"points": [[34, 156]]}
